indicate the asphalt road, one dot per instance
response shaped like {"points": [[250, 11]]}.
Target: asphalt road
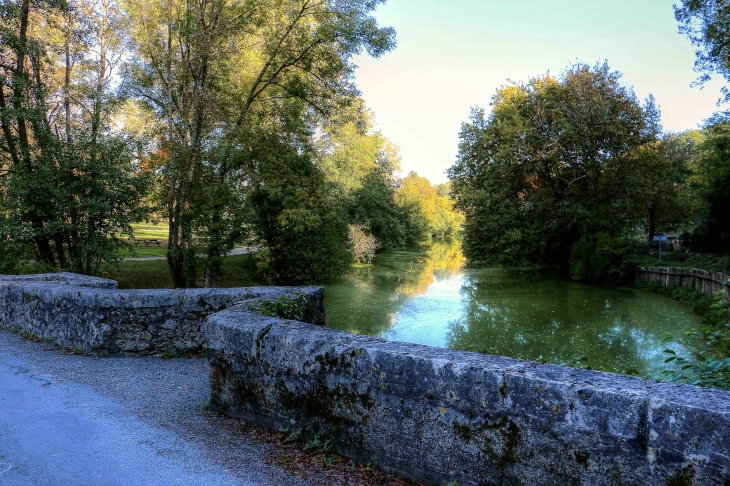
{"points": [[76, 420]]}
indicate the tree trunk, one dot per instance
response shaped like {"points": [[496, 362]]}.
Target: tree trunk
{"points": [[652, 223], [174, 254]]}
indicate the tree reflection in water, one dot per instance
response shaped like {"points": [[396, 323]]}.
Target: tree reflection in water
{"points": [[430, 298]]}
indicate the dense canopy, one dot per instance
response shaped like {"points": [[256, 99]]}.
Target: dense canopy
{"points": [[560, 160]]}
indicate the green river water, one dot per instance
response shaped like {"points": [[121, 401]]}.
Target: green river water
{"points": [[430, 298]]}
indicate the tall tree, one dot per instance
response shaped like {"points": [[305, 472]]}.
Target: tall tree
{"points": [[707, 24], [212, 69], [433, 211], [674, 199], [557, 161], [69, 186], [712, 234], [361, 166]]}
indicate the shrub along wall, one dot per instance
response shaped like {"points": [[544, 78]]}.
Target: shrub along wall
{"points": [[92, 315], [435, 415]]}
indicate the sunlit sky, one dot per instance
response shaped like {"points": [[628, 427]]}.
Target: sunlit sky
{"points": [[454, 54]]}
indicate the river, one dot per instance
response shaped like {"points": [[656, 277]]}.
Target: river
{"points": [[430, 298]]}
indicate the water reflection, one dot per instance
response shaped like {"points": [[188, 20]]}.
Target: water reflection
{"points": [[429, 298]]}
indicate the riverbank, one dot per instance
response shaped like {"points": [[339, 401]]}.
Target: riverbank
{"points": [[681, 259]]}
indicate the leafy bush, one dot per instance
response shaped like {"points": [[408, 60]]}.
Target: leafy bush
{"points": [[291, 213], [708, 361], [602, 258], [285, 306]]}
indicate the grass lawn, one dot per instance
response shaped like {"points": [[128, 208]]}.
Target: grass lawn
{"points": [[238, 271], [144, 231], [653, 261], [144, 251], [703, 261], [151, 231]]}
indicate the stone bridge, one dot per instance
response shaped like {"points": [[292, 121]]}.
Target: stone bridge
{"points": [[431, 415]]}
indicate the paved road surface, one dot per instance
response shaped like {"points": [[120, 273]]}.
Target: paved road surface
{"points": [[75, 420]]}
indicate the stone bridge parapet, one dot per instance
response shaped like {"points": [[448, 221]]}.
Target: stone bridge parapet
{"points": [[92, 315], [438, 416]]}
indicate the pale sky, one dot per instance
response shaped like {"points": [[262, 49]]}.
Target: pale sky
{"points": [[454, 54]]}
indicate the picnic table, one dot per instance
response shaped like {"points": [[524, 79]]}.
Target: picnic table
{"points": [[146, 242]]}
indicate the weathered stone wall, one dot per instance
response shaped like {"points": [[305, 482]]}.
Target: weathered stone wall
{"points": [[435, 415], [63, 278], [707, 282], [92, 315]]}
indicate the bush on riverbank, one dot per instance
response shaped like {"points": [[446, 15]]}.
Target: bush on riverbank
{"points": [[602, 258], [706, 357], [698, 301], [708, 361]]}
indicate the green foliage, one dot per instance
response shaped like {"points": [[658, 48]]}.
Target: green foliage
{"points": [[305, 231], [602, 258], [81, 205], [673, 195], [558, 159], [392, 224], [708, 361], [705, 23], [318, 444], [285, 306], [69, 186], [712, 234], [433, 213], [361, 166], [27, 335], [218, 74], [291, 437]]}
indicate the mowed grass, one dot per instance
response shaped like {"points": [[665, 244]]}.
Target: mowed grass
{"points": [[238, 271], [145, 231], [141, 251], [653, 261], [157, 231]]}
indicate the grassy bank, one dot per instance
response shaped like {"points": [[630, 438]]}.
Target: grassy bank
{"points": [[704, 261], [238, 271]]}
